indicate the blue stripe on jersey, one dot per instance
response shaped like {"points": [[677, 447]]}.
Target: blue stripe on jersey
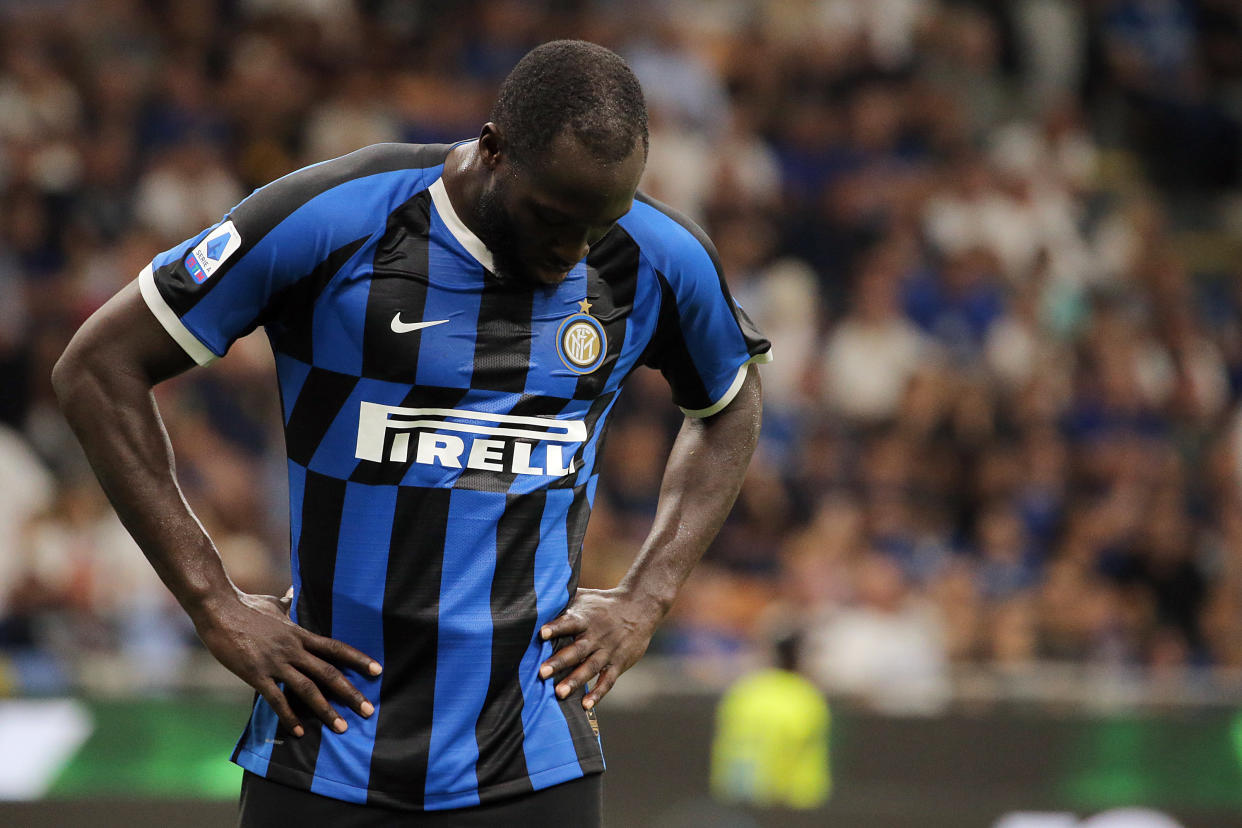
{"points": [[291, 374], [343, 767], [454, 292], [359, 207], [254, 749], [336, 327], [686, 264], [548, 376], [463, 670], [640, 325], [548, 743]]}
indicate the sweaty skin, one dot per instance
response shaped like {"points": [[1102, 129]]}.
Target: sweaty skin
{"points": [[544, 220]]}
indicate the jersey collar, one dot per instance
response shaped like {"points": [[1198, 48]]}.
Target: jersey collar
{"points": [[464, 235]]}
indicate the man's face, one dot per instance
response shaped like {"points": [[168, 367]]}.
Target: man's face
{"points": [[541, 217]]}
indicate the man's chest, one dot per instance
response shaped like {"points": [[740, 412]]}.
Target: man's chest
{"points": [[426, 317]]}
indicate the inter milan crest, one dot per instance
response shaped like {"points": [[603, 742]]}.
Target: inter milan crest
{"points": [[581, 342]]}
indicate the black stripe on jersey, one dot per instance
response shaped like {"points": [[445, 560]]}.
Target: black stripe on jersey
{"points": [[411, 628], [318, 403], [612, 276], [598, 406], [756, 343], [267, 207], [575, 532], [581, 723], [499, 729], [669, 352], [398, 288], [323, 500], [502, 341], [528, 405], [290, 313], [389, 472]]}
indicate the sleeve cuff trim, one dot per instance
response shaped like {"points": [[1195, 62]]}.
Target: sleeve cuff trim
{"points": [[190, 343], [727, 396]]}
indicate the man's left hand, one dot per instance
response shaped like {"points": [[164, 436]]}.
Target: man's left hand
{"points": [[611, 630]]}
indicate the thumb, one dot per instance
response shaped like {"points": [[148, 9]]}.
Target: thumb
{"points": [[287, 601]]}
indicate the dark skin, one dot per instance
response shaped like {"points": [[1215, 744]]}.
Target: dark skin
{"points": [[545, 215], [539, 216]]}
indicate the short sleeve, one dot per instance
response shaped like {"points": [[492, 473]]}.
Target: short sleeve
{"points": [[216, 287], [703, 340]]}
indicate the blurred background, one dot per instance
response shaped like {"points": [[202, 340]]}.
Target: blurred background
{"points": [[997, 246]]}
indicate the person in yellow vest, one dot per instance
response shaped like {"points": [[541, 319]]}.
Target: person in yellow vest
{"points": [[771, 742]]}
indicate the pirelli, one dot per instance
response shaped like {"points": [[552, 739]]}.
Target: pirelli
{"points": [[456, 438]]}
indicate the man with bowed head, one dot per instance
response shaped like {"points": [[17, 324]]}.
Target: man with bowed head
{"points": [[451, 326]]}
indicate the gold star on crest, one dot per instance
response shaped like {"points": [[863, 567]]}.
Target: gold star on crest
{"points": [[584, 306]]}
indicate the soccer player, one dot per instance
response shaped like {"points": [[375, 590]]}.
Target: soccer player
{"points": [[451, 325]]}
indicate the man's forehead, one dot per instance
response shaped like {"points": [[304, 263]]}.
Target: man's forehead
{"points": [[570, 170]]}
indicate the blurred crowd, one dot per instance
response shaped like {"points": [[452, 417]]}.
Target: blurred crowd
{"points": [[996, 246]]}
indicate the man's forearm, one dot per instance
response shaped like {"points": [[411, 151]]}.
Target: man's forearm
{"points": [[113, 414], [612, 628], [701, 481]]}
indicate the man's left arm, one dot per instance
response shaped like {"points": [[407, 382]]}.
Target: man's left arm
{"points": [[704, 473]]}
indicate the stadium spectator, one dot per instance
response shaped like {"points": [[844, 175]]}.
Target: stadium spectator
{"points": [[993, 238]]}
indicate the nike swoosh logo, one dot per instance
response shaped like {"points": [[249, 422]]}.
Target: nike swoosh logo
{"points": [[405, 327]]}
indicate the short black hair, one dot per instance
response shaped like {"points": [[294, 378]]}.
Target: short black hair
{"points": [[576, 85]]}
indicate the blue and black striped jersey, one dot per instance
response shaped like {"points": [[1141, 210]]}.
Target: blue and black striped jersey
{"points": [[442, 429]]}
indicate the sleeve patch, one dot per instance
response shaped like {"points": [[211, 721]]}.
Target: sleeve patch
{"points": [[214, 250]]}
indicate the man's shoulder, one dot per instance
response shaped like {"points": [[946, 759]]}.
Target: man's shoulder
{"points": [[372, 160], [670, 239], [386, 157], [401, 168]]}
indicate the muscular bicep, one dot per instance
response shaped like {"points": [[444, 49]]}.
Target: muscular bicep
{"points": [[124, 336], [745, 408]]}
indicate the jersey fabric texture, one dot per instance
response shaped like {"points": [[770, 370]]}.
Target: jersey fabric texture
{"points": [[442, 428]]}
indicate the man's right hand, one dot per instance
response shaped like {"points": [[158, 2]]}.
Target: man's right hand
{"points": [[253, 637]]}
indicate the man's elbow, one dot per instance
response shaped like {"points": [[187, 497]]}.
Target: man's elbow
{"points": [[77, 373], [67, 376]]}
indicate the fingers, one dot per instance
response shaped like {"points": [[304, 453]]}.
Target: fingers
{"points": [[582, 674], [330, 679], [607, 679], [308, 691], [567, 624], [565, 658], [280, 705], [339, 652]]}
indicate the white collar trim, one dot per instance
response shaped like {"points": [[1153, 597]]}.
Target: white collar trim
{"points": [[464, 235]]}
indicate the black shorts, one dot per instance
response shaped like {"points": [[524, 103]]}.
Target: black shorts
{"points": [[265, 804]]}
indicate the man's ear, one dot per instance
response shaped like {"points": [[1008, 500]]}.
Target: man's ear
{"points": [[492, 145]]}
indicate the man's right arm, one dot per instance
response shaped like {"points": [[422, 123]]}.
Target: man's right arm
{"points": [[104, 383]]}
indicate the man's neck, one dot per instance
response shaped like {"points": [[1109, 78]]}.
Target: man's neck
{"points": [[463, 181]]}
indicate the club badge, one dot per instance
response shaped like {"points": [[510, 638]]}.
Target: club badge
{"points": [[580, 342]]}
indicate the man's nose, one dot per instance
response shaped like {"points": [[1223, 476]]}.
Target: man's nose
{"points": [[573, 249]]}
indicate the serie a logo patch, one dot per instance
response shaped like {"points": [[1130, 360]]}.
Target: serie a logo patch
{"points": [[580, 341], [215, 248]]}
